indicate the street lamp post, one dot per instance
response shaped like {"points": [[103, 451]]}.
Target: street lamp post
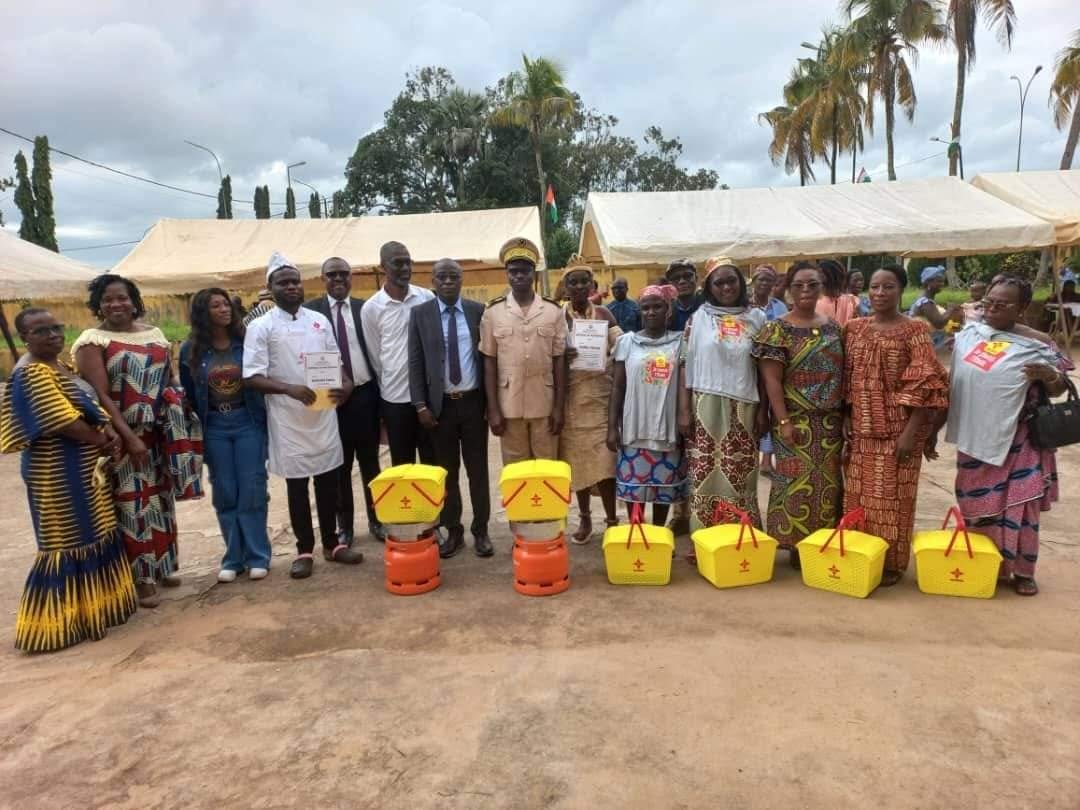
{"points": [[288, 172], [959, 152], [321, 198], [1023, 99], [221, 175]]}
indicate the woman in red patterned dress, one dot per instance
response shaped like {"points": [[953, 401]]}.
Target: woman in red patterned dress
{"points": [[893, 385]]}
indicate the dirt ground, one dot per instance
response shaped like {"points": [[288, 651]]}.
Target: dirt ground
{"points": [[331, 692]]}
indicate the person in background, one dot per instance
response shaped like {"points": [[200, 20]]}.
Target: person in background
{"points": [[583, 440], [234, 421], [764, 284], [358, 416], [719, 413], [642, 417], [238, 303], [855, 283], [973, 308], [385, 320], [835, 302], [1001, 368], [932, 279], [780, 289], [303, 441], [523, 340], [895, 389], [801, 359], [627, 312], [446, 385], [682, 275], [129, 364], [597, 296], [263, 304], [80, 583], [1068, 290]]}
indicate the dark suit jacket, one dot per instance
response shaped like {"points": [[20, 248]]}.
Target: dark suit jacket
{"points": [[322, 306], [427, 351]]}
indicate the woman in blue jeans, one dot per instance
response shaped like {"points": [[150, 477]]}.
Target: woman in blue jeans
{"points": [[234, 421]]}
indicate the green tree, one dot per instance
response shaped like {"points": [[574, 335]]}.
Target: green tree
{"points": [[539, 101], [24, 200], [290, 204], [962, 17], [790, 144], [657, 169], [224, 198], [339, 208], [314, 207], [559, 246], [1065, 96], [41, 183], [888, 32], [262, 202], [458, 134], [5, 184]]}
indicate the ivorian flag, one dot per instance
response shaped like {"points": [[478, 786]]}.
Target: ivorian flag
{"points": [[553, 209]]}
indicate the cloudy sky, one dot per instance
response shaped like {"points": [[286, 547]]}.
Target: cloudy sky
{"points": [[126, 83]]}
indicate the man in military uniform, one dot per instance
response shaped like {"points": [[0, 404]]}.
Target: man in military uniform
{"points": [[523, 340]]}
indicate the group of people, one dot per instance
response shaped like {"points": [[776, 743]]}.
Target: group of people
{"points": [[702, 384]]}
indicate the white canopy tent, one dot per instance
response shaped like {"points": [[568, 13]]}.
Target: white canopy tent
{"points": [[932, 217], [29, 271], [182, 255], [1051, 195]]}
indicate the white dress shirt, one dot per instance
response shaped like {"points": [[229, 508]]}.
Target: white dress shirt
{"points": [[466, 349], [302, 441], [386, 330], [361, 374]]}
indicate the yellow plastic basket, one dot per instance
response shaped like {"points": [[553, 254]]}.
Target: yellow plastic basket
{"points": [[970, 571], [409, 493], [852, 567], [725, 559], [535, 490], [638, 554]]}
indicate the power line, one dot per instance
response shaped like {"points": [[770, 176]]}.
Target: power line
{"points": [[97, 247], [129, 175]]}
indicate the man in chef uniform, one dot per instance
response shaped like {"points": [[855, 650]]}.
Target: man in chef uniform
{"points": [[304, 442]]}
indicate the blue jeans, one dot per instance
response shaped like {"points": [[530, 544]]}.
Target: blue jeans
{"points": [[235, 453]]}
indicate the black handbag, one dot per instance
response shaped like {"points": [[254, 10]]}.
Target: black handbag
{"points": [[1056, 424]]}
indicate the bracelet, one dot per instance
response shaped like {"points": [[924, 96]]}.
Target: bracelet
{"points": [[783, 422]]}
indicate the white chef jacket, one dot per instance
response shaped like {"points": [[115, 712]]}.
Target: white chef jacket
{"points": [[303, 441]]}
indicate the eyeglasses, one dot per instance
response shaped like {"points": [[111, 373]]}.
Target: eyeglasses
{"points": [[42, 331], [997, 303], [796, 286]]}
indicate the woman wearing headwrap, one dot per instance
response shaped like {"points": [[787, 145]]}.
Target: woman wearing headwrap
{"points": [[763, 285], [642, 423], [932, 280], [582, 441], [719, 397]]}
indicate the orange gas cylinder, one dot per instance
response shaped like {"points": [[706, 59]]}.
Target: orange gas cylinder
{"points": [[541, 567], [412, 567]]}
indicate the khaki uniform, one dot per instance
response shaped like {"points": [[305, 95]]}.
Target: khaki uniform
{"points": [[524, 345]]}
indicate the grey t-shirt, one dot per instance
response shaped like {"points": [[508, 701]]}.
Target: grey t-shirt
{"points": [[652, 384], [717, 351]]}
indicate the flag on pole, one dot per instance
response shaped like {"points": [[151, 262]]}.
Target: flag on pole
{"points": [[863, 177], [553, 209]]}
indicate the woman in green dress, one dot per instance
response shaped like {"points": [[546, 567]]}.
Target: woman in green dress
{"points": [[80, 583]]}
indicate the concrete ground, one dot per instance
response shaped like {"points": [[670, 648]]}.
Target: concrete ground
{"points": [[331, 692]]}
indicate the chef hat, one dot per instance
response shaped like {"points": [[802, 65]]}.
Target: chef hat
{"points": [[277, 261]]}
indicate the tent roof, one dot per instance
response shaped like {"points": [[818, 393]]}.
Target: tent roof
{"points": [[934, 217], [182, 255], [30, 271], [1052, 195]]}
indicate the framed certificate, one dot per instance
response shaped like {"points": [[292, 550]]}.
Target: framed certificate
{"points": [[322, 372], [591, 341]]}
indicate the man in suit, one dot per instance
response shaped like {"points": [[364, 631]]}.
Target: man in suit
{"points": [[358, 416], [446, 382]]}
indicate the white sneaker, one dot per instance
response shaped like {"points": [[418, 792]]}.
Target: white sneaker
{"points": [[225, 575], [257, 573]]}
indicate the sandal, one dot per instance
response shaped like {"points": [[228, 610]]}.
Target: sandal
{"points": [[890, 578], [1025, 586], [584, 533], [793, 558], [147, 595]]}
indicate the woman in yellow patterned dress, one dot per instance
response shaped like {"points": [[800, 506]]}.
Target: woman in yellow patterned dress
{"points": [[80, 583]]}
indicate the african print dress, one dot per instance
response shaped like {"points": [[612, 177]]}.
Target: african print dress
{"points": [[80, 583], [583, 439], [806, 488], [138, 365], [886, 374]]}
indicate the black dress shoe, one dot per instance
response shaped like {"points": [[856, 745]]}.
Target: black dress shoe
{"points": [[451, 544], [482, 545], [378, 531]]}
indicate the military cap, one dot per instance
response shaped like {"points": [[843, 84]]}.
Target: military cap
{"points": [[519, 248]]}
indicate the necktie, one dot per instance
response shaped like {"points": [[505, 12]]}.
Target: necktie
{"points": [[343, 340], [453, 357]]}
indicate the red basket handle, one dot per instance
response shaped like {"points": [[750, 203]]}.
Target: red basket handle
{"points": [[514, 494], [961, 526], [856, 518], [637, 512], [725, 508], [564, 498], [427, 497]]}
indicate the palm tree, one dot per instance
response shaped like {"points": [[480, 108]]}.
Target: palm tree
{"points": [[1065, 95], [461, 117], [888, 32], [538, 100], [961, 19], [791, 142]]}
